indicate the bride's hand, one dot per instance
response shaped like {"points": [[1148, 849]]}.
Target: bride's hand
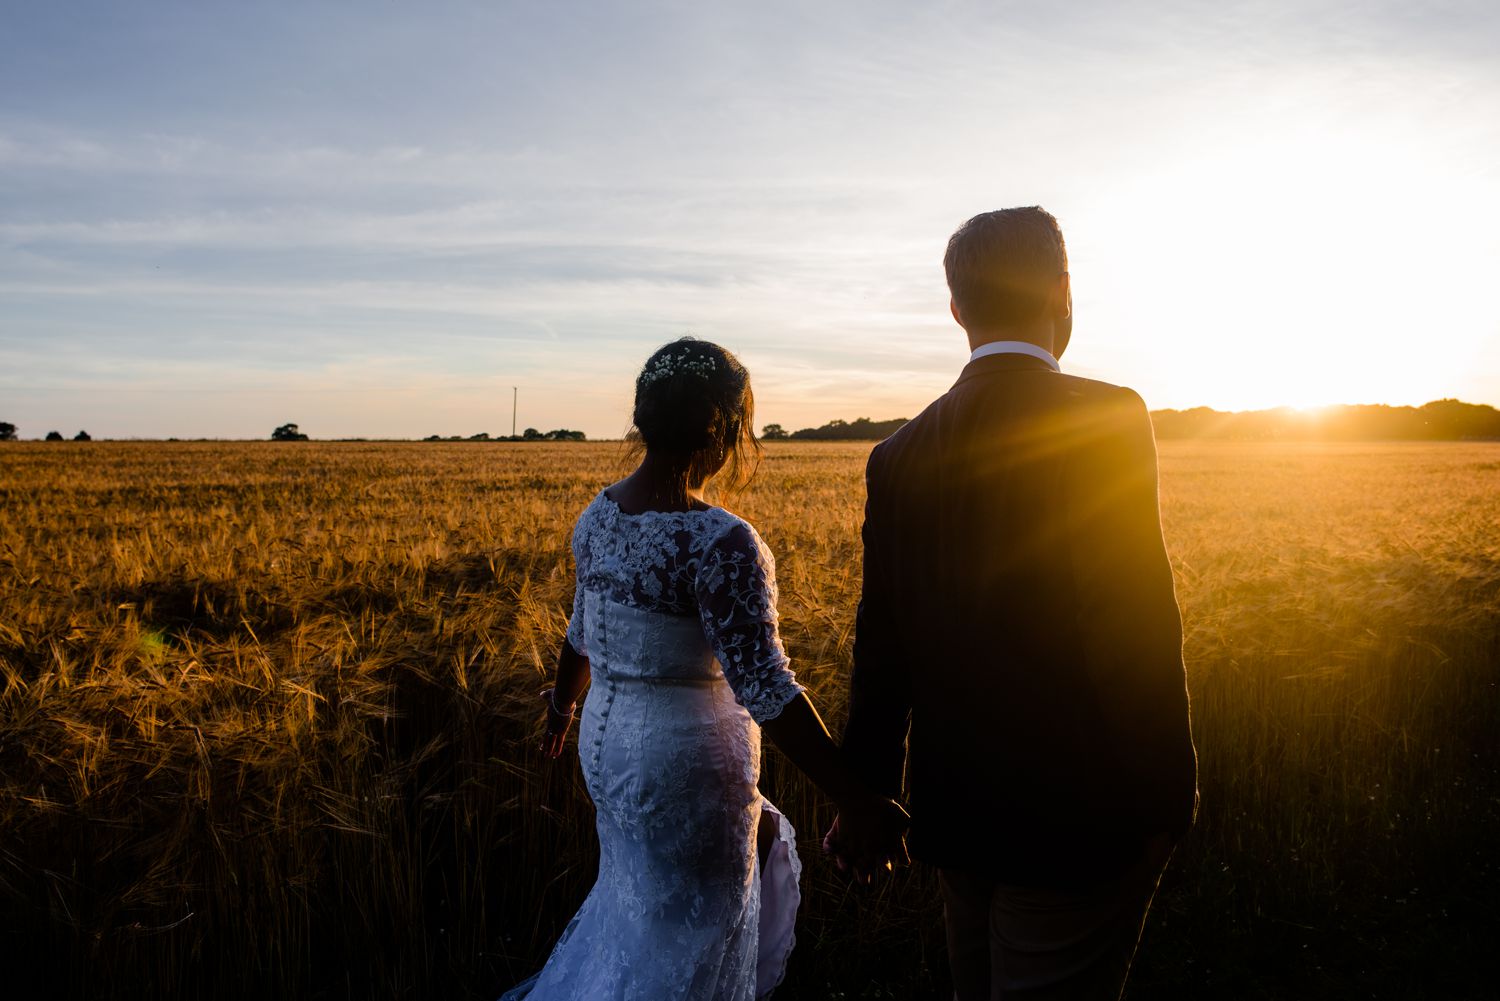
{"points": [[555, 728]]}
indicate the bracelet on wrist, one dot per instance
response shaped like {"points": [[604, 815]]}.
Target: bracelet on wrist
{"points": [[552, 704]]}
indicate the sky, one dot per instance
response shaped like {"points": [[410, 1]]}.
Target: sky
{"points": [[381, 219]]}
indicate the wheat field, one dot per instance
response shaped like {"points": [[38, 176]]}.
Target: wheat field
{"points": [[268, 718]]}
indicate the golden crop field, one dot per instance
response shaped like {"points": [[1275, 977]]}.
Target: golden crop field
{"points": [[268, 718]]}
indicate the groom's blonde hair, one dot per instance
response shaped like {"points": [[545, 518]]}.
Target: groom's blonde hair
{"points": [[1002, 265]]}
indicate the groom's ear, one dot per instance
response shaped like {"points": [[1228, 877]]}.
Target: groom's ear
{"points": [[1062, 318], [953, 308], [1062, 297]]}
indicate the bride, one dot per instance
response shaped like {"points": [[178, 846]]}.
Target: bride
{"points": [[674, 622]]}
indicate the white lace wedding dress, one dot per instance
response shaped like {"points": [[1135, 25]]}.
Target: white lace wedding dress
{"points": [[676, 612]]}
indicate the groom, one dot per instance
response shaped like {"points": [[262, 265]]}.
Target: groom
{"points": [[1018, 649]]}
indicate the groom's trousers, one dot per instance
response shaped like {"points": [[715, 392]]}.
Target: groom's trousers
{"points": [[1026, 943]]}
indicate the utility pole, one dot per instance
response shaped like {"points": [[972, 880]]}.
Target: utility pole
{"points": [[514, 394]]}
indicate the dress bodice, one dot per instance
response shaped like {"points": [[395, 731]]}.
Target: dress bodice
{"points": [[679, 596]]}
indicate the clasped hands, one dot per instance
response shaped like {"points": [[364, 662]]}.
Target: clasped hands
{"points": [[868, 837]]}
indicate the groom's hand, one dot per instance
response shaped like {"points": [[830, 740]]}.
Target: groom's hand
{"points": [[837, 849], [868, 837]]}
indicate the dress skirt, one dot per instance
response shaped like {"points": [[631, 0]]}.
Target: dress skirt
{"points": [[683, 908]]}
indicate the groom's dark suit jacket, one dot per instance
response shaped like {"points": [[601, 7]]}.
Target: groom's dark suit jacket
{"points": [[1018, 617]]}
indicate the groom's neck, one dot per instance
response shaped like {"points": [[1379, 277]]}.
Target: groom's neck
{"points": [[1042, 336]]}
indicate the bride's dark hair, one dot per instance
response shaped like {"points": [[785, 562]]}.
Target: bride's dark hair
{"points": [[693, 408]]}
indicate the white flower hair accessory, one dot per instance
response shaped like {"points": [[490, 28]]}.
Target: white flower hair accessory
{"points": [[669, 365]]}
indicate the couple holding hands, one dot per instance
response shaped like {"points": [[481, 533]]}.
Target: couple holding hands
{"points": [[1017, 681]]}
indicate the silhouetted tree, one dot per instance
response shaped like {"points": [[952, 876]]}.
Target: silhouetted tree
{"points": [[481, 436], [532, 434], [773, 432], [288, 432], [563, 434], [54, 436], [82, 436], [7, 431]]}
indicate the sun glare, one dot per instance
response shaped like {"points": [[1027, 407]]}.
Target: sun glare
{"points": [[1305, 272]]}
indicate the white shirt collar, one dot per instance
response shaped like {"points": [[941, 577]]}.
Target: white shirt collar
{"points": [[1016, 348]]}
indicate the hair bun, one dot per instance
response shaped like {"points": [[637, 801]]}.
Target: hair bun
{"points": [[693, 397]]}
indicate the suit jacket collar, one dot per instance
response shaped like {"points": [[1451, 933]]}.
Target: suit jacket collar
{"points": [[994, 364]]}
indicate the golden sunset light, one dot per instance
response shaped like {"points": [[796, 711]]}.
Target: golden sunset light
{"points": [[514, 501]]}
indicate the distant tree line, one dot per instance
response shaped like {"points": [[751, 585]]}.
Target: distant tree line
{"points": [[530, 434], [290, 432], [1440, 420], [859, 429]]}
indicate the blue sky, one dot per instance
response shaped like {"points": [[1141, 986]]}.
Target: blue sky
{"points": [[375, 219]]}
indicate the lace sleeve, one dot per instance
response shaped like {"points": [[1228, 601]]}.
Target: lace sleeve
{"points": [[580, 596], [736, 592]]}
